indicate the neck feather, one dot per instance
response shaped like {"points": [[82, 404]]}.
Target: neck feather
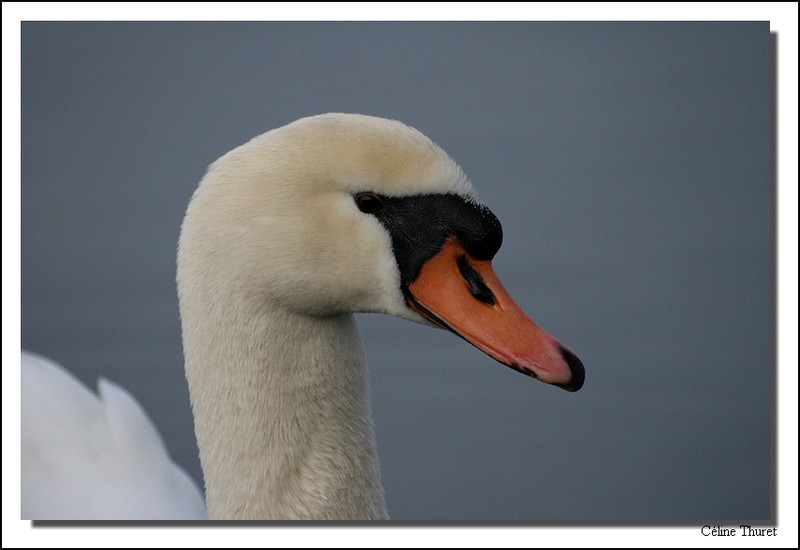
{"points": [[282, 416]]}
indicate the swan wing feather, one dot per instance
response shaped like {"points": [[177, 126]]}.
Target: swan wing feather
{"points": [[89, 456]]}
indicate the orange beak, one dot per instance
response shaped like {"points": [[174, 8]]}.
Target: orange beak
{"points": [[465, 296]]}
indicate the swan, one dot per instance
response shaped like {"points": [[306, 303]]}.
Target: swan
{"points": [[283, 240]]}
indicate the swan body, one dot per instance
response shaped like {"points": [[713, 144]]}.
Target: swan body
{"points": [[102, 441], [284, 239]]}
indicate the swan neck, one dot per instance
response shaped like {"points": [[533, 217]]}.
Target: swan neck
{"points": [[282, 414]]}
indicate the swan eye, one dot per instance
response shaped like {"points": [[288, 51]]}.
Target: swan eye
{"points": [[369, 203]]}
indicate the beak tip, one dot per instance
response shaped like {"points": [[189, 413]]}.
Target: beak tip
{"points": [[575, 367]]}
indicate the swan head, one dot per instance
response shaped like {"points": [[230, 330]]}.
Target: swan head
{"points": [[342, 213]]}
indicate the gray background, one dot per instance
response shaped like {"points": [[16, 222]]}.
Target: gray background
{"points": [[630, 164]]}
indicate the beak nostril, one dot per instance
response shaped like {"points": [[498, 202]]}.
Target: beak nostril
{"points": [[476, 284]]}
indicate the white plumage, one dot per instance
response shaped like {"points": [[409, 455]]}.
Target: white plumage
{"points": [[95, 456], [276, 254]]}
